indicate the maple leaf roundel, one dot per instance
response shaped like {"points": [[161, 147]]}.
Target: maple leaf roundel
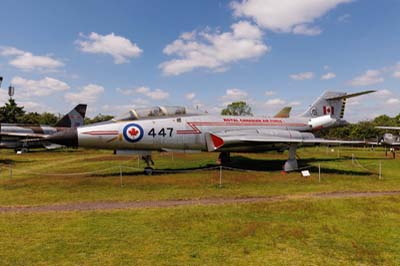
{"points": [[133, 132]]}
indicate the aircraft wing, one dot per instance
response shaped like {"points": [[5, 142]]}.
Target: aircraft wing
{"points": [[217, 141], [382, 144], [388, 128]]}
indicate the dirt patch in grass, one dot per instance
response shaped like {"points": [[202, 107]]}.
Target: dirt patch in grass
{"points": [[110, 158], [101, 205]]}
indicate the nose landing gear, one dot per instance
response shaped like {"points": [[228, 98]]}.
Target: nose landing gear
{"points": [[148, 170]]}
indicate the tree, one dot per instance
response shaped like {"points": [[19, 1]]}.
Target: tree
{"points": [[11, 112], [237, 108], [98, 118], [31, 118], [48, 119]]}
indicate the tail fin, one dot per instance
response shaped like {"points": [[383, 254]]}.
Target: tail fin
{"points": [[331, 103], [284, 113], [74, 118]]}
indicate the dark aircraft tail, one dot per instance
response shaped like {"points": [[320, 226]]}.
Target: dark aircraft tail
{"points": [[74, 118], [331, 103]]}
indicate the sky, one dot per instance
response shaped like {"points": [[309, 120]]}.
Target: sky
{"points": [[118, 55]]}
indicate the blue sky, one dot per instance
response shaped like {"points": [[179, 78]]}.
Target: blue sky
{"points": [[125, 54]]}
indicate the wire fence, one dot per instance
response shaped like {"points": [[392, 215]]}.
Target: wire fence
{"points": [[8, 169]]}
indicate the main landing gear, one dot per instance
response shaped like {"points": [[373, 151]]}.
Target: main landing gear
{"points": [[148, 170], [224, 157], [291, 163], [392, 150]]}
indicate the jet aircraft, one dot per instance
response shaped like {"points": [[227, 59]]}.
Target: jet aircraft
{"points": [[22, 137], [172, 129], [389, 139]]}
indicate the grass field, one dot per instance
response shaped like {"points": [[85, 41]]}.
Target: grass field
{"points": [[362, 231]]}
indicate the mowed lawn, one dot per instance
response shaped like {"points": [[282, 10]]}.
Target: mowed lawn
{"points": [[306, 232], [358, 231], [94, 175]]}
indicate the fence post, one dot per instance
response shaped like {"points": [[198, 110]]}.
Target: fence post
{"points": [[319, 172], [220, 176], [380, 170], [10, 168], [120, 175]]}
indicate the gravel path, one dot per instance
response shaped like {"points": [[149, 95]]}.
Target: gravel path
{"points": [[101, 205]]}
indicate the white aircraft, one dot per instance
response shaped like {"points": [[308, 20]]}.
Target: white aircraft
{"points": [[142, 131]]}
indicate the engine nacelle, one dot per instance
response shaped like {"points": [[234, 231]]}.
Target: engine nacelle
{"points": [[286, 134], [322, 121]]}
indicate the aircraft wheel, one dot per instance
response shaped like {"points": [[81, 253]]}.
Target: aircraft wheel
{"points": [[148, 171], [21, 150]]}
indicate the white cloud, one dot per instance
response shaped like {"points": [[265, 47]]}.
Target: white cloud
{"points": [[329, 75], [270, 93], [214, 51], [29, 105], [396, 72], [295, 103], [42, 87], [352, 101], [302, 76], [3, 95], [383, 93], [10, 51], [370, 77], [304, 29], [117, 109], [33, 106], [28, 62], [156, 94], [120, 48], [276, 101], [294, 16], [393, 101], [344, 18], [233, 95], [190, 96], [88, 94], [140, 102]]}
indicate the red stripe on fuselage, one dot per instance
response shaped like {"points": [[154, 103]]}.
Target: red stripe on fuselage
{"points": [[196, 130]]}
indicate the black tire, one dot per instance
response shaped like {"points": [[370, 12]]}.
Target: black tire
{"points": [[148, 170]]}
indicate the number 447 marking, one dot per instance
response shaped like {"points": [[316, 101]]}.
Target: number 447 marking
{"points": [[163, 132]]}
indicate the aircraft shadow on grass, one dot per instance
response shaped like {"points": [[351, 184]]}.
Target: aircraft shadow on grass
{"points": [[13, 162], [250, 164]]}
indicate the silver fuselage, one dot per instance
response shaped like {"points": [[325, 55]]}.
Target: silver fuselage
{"points": [[186, 133]]}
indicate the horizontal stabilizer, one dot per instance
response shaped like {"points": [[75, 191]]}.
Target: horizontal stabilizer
{"points": [[351, 95]]}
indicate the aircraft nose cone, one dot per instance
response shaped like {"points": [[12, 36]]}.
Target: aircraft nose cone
{"points": [[67, 137]]}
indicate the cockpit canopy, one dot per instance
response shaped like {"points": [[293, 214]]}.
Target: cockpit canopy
{"points": [[156, 111]]}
